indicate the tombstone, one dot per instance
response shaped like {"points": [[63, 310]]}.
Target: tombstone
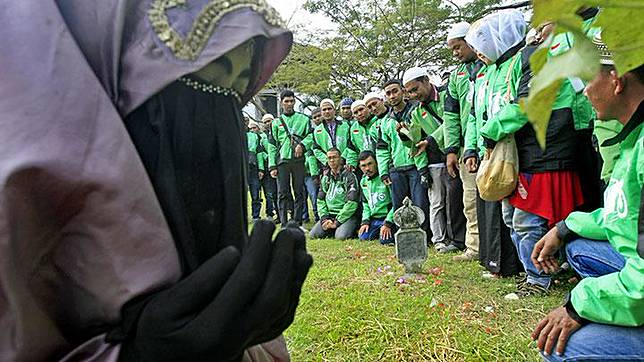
{"points": [[411, 245]]}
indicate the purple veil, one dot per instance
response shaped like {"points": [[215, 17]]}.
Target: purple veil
{"points": [[81, 231]]}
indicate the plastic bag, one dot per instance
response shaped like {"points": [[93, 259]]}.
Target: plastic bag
{"points": [[498, 174]]}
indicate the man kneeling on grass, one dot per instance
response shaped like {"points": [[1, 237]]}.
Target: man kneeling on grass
{"points": [[377, 209], [337, 201]]}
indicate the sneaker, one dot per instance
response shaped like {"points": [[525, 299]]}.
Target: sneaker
{"points": [[449, 249], [303, 229], [489, 275], [525, 290], [467, 256], [439, 247]]}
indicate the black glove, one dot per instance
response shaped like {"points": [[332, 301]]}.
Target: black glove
{"points": [[425, 178], [229, 303]]}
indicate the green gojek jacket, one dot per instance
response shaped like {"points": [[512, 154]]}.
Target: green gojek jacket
{"points": [[392, 153], [256, 151], [616, 298], [311, 164], [478, 116], [427, 126], [322, 140], [603, 131], [281, 146], [376, 201], [338, 196], [457, 106], [506, 81], [361, 138], [583, 113]]}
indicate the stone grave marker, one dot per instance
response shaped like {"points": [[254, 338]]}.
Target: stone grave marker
{"points": [[411, 245]]}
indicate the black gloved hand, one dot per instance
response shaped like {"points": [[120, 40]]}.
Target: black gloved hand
{"points": [[425, 178], [230, 303]]}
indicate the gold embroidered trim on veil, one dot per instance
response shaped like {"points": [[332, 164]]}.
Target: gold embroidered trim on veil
{"points": [[204, 25]]}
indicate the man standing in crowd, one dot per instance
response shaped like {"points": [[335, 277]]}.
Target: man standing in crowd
{"points": [[398, 168], [446, 218], [312, 178], [337, 201], [360, 137], [603, 316], [345, 110], [457, 117], [256, 165], [269, 184], [331, 133], [290, 138], [377, 208]]}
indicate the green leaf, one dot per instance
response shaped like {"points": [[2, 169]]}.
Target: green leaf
{"points": [[622, 23], [554, 10], [539, 58], [538, 106], [580, 61]]}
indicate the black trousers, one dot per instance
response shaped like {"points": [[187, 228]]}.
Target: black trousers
{"points": [[269, 185], [456, 222], [290, 176], [497, 252]]}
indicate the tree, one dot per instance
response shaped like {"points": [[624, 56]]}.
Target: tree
{"points": [[376, 41]]}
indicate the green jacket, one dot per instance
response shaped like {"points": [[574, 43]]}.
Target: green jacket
{"points": [[478, 116], [616, 298], [338, 196], [583, 114], [256, 152], [391, 152], [604, 130], [322, 140], [311, 164], [458, 105], [376, 201], [281, 145], [425, 125], [506, 82], [360, 139]]}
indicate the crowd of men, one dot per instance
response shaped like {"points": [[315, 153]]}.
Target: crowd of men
{"points": [[414, 139]]}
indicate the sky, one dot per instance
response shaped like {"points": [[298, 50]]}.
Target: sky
{"points": [[293, 13]]}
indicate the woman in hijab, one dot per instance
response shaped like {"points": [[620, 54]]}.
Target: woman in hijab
{"points": [[549, 187], [123, 206], [497, 252]]}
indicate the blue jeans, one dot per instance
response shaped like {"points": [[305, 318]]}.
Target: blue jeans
{"points": [[592, 258], [374, 232], [602, 342], [407, 183], [253, 187], [311, 189], [594, 341], [526, 229]]}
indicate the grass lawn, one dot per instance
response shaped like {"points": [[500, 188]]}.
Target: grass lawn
{"points": [[354, 309]]}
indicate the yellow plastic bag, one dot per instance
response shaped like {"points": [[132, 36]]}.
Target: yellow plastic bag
{"points": [[499, 171]]}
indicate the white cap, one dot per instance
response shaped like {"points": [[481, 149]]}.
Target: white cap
{"points": [[458, 30], [266, 117], [357, 104], [413, 73], [327, 100], [371, 95]]}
